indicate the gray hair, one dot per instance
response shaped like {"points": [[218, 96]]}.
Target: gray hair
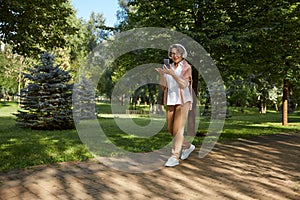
{"points": [[180, 49]]}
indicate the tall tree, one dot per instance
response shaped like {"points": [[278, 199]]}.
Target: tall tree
{"points": [[89, 34], [11, 68], [33, 26], [241, 36], [94, 30]]}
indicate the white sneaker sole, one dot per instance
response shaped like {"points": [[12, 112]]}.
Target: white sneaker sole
{"points": [[189, 152], [171, 165]]}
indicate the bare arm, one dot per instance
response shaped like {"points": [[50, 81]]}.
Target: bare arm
{"points": [[162, 79]]}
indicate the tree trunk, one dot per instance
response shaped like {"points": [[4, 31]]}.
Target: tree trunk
{"points": [[192, 114], [20, 80], [276, 107], [19, 89], [263, 107], [285, 103]]}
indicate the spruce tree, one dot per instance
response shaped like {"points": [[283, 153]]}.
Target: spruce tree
{"points": [[46, 101], [84, 100]]}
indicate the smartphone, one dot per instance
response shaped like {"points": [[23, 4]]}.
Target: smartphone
{"points": [[167, 62]]}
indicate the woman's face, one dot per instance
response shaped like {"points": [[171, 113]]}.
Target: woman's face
{"points": [[176, 57]]}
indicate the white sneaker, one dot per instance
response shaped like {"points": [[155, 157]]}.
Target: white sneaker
{"points": [[186, 152], [172, 161]]}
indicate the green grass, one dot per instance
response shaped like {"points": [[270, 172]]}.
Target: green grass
{"points": [[22, 148], [103, 108], [133, 142], [251, 123]]}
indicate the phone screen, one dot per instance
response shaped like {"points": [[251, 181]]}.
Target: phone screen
{"points": [[167, 63]]}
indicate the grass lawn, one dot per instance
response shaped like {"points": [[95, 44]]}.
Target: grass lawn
{"points": [[21, 148]]}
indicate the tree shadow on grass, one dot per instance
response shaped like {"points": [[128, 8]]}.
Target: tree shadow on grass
{"points": [[22, 148]]}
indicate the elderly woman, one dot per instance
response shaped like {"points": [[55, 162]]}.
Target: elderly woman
{"points": [[176, 82]]}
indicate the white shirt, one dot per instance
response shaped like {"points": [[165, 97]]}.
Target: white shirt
{"points": [[174, 97]]}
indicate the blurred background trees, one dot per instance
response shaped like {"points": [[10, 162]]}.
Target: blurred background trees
{"points": [[255, 44]]}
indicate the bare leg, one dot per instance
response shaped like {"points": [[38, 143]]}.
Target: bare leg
{"points": [[179, 121]]}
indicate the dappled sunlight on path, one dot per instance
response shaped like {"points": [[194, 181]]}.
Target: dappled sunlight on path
{"points": [[266, 167]]}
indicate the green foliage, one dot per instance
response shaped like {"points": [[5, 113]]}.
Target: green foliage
{"points": [[46, 101], [88, 35], [243, 37], [94, 31], [10, 69], [34, 26], [117, 69], [256, 37], [105, 85], [241, 91]]}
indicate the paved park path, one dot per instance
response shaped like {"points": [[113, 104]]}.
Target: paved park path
{"points": [[265, 167]]}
